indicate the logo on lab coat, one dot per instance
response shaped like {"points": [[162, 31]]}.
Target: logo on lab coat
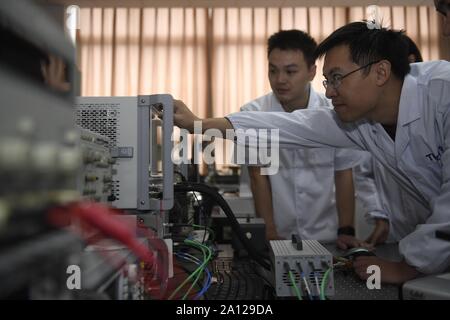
{"points": [[435, 157]]}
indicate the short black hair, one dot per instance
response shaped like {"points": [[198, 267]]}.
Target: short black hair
{"points": [[413, 49], [442, 7], [370, 44], [293, 40]]}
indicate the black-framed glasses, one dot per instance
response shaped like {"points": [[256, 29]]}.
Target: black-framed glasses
{"points": [[442, 7], [336, 79]]}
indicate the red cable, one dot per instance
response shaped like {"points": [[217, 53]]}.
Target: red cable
{"points": [[99, 216], [102, 218]]}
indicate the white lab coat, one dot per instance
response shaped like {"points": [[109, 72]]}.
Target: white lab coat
{"points": [[419, 159], [303, 189], [388, 195]]}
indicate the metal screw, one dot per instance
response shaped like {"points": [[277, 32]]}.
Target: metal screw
{"points": [[142, 202]]}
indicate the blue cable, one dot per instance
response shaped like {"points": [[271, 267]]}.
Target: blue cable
{"points": [[207, 285], [208, 281], [198, 262]]}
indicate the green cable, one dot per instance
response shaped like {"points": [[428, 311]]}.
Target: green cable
{"points": [[202, 266], [197, 272], [192, 274], [322, 286], [297, 292], [195, 262], [184, 282]]}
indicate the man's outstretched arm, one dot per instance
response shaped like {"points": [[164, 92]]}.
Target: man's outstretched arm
{"points": [[184, 118], [309, 128]]}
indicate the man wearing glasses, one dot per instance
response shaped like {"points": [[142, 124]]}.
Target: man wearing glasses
{"points": [[443, 7], [398, 112], [312, 193]]}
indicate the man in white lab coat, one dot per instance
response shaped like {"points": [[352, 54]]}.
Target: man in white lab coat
{"points": [[386, 193], [300, 198], [400, 113]]}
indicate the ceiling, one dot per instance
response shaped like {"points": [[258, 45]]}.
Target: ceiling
{"points": [[235, 3]]}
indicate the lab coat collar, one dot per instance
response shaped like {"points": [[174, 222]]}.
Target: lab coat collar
{"points": [[409, 107], [313, 98]]}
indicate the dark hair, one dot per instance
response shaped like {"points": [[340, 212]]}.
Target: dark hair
{"points": [[442, 7], [293, 40], [370, 44], [413, 49]]}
